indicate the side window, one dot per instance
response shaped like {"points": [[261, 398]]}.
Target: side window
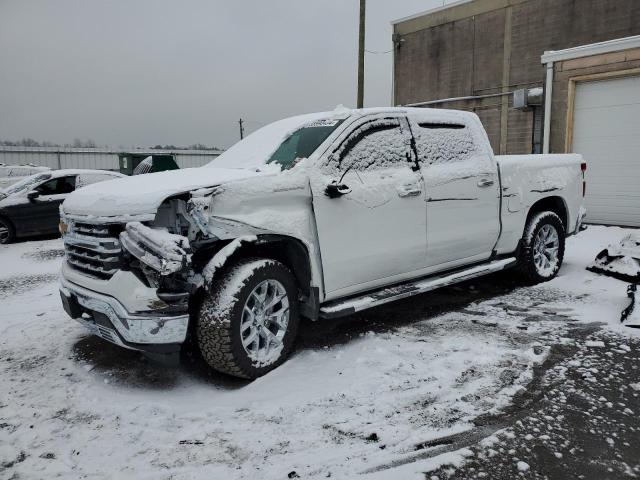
{"points": [[89, 178], [58, 186], [441, 143], [377, 144]]}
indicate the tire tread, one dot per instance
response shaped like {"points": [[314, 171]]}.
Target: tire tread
{"points": [[214, 324]]}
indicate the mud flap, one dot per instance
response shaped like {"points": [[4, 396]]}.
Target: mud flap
{"points": [[631, 315]]}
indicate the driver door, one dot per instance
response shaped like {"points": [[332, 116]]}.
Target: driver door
{"points": [[374, 232]]}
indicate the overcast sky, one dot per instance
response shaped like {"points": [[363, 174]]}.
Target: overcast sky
{"points": [[143, 72]]}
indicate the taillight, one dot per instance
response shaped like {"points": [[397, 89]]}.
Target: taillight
{"points": [[583, 168]]}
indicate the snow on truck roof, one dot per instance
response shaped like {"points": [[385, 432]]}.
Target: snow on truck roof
{"points": [[256, 148]]}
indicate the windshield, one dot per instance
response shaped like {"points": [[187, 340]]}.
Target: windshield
{"points": [[280, 142], [302, 143], [26, 183]]}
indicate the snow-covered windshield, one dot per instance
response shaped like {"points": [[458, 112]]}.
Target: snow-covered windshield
{"points": [[26, 183], [302, 143], [281, 142]]}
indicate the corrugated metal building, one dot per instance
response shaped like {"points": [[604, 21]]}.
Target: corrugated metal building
{"points": [[96, 158], [476, 54]]}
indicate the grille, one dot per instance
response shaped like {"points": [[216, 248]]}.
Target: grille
{"points": [[93, 249]]}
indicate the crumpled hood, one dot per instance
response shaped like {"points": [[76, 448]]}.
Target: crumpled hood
{"points": [[143, 194]]}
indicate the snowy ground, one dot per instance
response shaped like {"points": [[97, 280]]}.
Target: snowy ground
{"points": [[433, 384]]}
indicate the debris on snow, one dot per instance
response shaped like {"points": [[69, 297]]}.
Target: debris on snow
{"points": [[621, 260]]}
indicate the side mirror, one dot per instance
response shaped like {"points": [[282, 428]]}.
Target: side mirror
{"points": [[335, 190], [33, 194]]}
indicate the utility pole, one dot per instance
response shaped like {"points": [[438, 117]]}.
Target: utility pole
{"points": [[361, 56], [241, 129]]}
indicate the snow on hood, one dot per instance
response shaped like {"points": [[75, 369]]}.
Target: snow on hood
{"points": [[143, 194]]}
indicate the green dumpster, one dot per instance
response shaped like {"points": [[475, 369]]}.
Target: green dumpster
{"points": [[137, 163]]}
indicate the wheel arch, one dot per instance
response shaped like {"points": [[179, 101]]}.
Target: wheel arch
{"points": [[553, 204], [289, 251]]}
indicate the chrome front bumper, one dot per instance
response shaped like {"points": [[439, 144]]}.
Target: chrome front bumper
{"points": [[152, 331]]}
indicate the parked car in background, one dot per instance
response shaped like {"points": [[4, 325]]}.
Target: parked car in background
{"points": [[10, 174], [31, 206], [317, 216]]}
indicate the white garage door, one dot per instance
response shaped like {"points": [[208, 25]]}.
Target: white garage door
{"points": [[606, 132]]}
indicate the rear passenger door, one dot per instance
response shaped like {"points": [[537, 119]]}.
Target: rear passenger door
{"points": [[462, 189]]}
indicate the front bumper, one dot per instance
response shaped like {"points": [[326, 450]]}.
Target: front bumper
{"points": [[151, 331]]}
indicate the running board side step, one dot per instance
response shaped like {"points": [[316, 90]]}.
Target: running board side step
{"points": [[340, 308]]}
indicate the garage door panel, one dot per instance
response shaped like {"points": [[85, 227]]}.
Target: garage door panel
{"points": [[620, 150], [617, 91], [606, 131], [606, 189], [596, 122]]}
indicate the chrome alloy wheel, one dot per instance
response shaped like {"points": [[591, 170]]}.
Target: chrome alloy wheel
{"points": [[4, 232], [545, 250], [264, 322]]}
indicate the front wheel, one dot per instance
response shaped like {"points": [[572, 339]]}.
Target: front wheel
{"points": [[542, 249], [7, 232], [248, 322]]}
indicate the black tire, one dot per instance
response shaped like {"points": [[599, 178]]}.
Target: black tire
{"points": [[7, 231], [531, 272], [219, 318]]}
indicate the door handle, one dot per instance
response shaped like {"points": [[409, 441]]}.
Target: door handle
{"points": [[485, 182], [409, 190]]}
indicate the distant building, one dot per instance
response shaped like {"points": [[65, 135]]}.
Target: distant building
{"points": [[582, 96]]}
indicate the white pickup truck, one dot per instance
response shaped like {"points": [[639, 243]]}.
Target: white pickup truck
{"points": [[314, 216]]}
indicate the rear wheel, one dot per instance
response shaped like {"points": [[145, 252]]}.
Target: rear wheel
{"points": [[248, 322], [542, 247], [7, 232]]}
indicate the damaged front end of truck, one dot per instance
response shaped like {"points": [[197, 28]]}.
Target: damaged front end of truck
{"points": [[136, 282]]}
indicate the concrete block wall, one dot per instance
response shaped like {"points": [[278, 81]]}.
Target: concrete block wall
{"points": [[463, 50]]}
